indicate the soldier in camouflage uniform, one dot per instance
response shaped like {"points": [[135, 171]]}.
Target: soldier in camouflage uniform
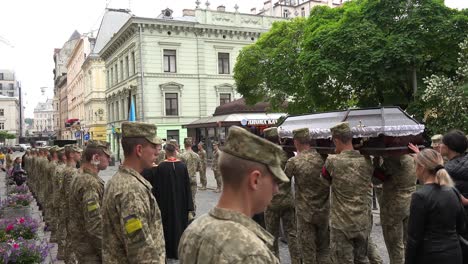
{"points": [[282, 209], [215, 168], [192, 161], [227, 234], [65, 249], [85, 200], [42, 164], [398, 174], [57, 181], [203, 162], [312, 199], [49, 176], [131, 220], [350, 175]]}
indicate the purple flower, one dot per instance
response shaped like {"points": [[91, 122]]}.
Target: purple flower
{"points": [[24, 251], [23, 227]]}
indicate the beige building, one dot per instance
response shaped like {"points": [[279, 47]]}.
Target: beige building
{"points": [[60, 100], [76, 83], [9, 117], [293, 8]]}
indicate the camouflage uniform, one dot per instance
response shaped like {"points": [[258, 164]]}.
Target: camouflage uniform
{"points": [[312, 205], [215, 168], [400, 183], [350, 220], [226, 236], [202, 155], [85, 199], [68, 174], [131, 220], [192, 161], [281, 209], [57, 210]]}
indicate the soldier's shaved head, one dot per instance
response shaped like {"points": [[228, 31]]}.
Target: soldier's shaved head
{"points": [[234, 170]]}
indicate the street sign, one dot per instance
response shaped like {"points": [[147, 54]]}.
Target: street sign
{"points": [[78, 134], [86, 136]]}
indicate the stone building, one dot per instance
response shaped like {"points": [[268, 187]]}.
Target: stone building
{"points": [[293, 8], [175, 69], [44, 118], [60, 100], [10, 117]]}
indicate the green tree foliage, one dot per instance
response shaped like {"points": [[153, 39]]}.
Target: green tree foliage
{"points": [[5, 135], [366, 53], [445, 99]]}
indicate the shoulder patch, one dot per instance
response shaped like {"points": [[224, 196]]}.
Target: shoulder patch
{"points": [[132, 224], [92, 205]]}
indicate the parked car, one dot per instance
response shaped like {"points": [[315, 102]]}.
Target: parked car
{"points": [[25, 146], [18, 147]]}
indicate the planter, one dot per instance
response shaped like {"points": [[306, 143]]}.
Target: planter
{"points": [[15, 212]]}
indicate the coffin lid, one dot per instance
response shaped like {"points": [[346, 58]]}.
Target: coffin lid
{"points": [[366, 122]]}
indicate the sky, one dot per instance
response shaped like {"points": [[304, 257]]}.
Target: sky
{"points": [[35, 28]]}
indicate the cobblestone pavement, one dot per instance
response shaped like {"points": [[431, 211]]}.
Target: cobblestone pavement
{"points": [[208, 199]]}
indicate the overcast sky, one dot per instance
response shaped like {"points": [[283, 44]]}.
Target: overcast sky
{"points": [[35, 28]]}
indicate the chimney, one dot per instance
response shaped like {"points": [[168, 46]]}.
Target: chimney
{"points": [[188, 12], [253, 11], [221, 8]]}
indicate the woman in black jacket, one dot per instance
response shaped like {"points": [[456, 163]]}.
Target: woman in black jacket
{"points": [[453, 146], [436, 215]]}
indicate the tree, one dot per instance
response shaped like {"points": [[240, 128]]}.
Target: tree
{"points": [[268, 68], [445, 100], [366, 53], [5, 135]]}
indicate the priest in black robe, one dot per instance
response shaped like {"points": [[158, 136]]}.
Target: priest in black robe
{"points": [[171, 188]]}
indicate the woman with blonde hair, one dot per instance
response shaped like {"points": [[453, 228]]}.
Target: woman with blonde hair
{"points": [[436, 214]]}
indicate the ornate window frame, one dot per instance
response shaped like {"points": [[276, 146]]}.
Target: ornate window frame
{"points": [[171, 87]]}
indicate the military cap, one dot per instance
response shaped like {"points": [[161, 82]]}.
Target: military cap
{"points": [[270, 132], [188, 141], [436, 140], [140, 130], [99, 144], [173, 142], [340, 128], [248, 146], [201, 143], [301, 133]]}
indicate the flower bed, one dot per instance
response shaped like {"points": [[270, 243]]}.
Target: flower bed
{"points": [[17, 200], [23, 251], [22, 189], [23, 227]]}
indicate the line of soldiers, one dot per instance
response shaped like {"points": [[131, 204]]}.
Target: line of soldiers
{"points": [[50, 172]]}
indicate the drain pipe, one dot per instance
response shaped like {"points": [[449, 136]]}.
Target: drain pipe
{"points": [[141, 76]]}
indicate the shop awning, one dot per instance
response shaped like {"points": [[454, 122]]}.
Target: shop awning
{"points": [[245, 119]]}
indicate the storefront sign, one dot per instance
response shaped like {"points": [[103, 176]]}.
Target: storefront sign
{"points": [[254, 122]]}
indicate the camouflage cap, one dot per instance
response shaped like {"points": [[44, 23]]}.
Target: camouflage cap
{"points": [[173, 142], [246, 145], [99, 144], [340, 128], [140, 130], [270, 132], [301, 133], [436, 140]]}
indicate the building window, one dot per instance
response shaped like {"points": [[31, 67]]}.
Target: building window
{"points": [[1, 76], [127, 66], [121, 70], [133, 60], [11, 94], [170, 61], [286, 13], [116, 73], [111, 76], [117, 112], [224, 98], [172, 134], [2, 112], [172, 108], [1, 86], [303, 12], [2, 126], [11, 86], [223, 63]]}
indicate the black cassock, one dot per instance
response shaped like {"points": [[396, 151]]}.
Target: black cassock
{"points": [[171, 188]]}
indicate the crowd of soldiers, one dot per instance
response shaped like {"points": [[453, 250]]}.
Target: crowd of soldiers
{"points": [[328, 218]]}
